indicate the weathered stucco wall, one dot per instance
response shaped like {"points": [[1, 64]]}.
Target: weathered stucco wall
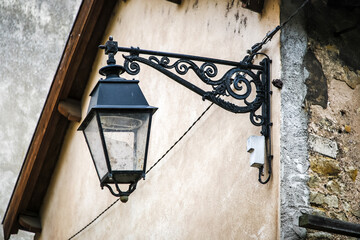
{"points": [[33, 35], [204, 188]]}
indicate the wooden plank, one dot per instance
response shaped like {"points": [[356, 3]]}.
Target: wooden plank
{"points": [[344, 3], [91, 51], [51, 157], [329, 225], [175, 1], [71, 109], [78, 85], [253, 5], [76, 59], [45, 132], [30, 223]]}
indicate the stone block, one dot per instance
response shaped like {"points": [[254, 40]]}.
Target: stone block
{"points": [[333, 186], [323, 146], [353, 173], [347, 128], [319, 236], [324, 166], [317, 199], [356, 213], [314, 181], [332, 201]]}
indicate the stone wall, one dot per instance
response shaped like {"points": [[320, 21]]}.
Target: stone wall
{"points": [[333, 103], [320, 116], [293, 141], [33, 35]]}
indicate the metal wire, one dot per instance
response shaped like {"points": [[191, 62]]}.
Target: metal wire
{"points": [[254, 49], [269, 35], [94, 219], [192, 125], [294, 13]]}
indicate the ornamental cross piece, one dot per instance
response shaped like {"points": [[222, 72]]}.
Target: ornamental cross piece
{"points": [[111, 48]]}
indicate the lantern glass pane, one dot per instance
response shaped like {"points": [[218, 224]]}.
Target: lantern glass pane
{"points": [[93, 138], [125, 137]]}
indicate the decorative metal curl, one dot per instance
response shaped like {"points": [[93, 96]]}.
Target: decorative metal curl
{"points": [[209, 70], [182, 66], [131, 67], [247, 85], [257, 120], [239, 87]]}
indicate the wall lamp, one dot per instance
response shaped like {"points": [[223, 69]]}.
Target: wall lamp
{"points": [[117, 125]]}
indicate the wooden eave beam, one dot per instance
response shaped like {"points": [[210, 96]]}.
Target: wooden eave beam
{"points": [[40, 159], [30, 223], [329, 225], [344, 3], [175, 1], [74, 92], [71, 109], [253, 5]]}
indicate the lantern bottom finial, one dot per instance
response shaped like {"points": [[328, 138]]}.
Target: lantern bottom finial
{"points": [[124, 196], [124, 199]]}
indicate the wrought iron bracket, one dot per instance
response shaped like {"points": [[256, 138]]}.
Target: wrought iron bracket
{"points": [[244, 87]]}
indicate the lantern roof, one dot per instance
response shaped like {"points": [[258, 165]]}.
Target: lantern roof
{"points": [[115, 92]]}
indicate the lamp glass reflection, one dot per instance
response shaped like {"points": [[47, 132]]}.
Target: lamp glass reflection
{"points": [[125, 136], [93, 138]]}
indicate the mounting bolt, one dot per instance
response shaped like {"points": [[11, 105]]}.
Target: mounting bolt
{"points": [[277, 83]]}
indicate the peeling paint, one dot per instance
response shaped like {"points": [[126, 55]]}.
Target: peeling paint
{"points": [[195, 5], [229, 6], [237, 16], [244, 21]]}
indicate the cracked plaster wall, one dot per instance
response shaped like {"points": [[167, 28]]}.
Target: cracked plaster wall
{"points": [[33, 35]]}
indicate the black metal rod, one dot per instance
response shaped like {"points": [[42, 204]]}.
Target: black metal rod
{"points": [[266, 127], [175, 1], [189, 57], [329, 225], [171, 75]]}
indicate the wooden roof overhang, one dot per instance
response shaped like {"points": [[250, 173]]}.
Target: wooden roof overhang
{"points": [[66, 90]]}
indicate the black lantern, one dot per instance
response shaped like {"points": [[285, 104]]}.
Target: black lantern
{"points": [[117, 129], [117, 126]]}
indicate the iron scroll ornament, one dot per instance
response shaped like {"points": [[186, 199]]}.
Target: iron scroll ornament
{"points": [[236, 82], [239, 84]]}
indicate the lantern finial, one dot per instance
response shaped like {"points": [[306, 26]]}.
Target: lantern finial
{"points": [[111, 48]]}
